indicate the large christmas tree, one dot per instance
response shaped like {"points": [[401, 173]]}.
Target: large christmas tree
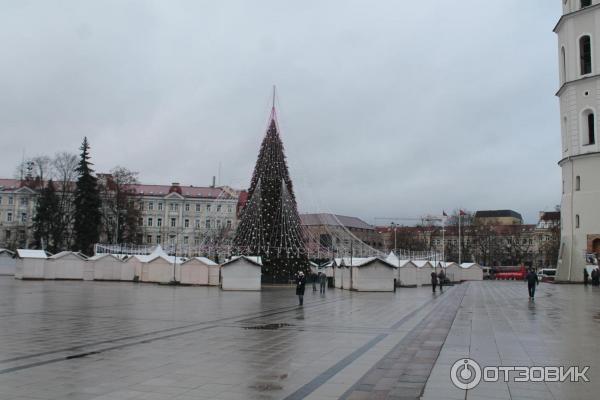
{"points": [[270, 226]]}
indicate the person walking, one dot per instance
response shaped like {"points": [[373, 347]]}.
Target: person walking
{"points": [[441, 279], [433, 281], [586, 276], [323, 282], [594, 277], [315, 277], [532, 281], [300, 286]]}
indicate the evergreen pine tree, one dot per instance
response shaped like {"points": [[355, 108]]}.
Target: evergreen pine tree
{"points": [[46, 221], [270, 225], [87, 202]]}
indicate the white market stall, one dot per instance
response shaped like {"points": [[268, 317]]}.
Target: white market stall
{"points": [[195, 271], [65, 265], [135, 264], [373, 274], [241, 273], [407, 273], [452, 271], [214, 275], [369, 274], [30, 264], [108, 267], [7, 262], [160, 269], [471, 272], [424, 270]]}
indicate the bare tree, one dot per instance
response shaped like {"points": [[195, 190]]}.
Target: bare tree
{"points": [[64, 171], [121, 205]]}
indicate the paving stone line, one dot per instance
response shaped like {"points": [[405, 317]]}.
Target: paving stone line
{"points": [[403, 372]]}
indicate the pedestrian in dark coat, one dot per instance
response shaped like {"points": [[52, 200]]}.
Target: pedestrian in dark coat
{"points": [[300, 286], [441, 279], [314, 278], [595, 277], [586, 276], [433, 281], [323, 282], [532, 282]]}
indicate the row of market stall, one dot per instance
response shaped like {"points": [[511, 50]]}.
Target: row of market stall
{"points": [[157, 267], [378, 274], [237, 273]]}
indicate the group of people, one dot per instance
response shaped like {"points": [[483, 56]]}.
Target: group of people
{"points": [[320, 278], [595, 276], [438, 280]]}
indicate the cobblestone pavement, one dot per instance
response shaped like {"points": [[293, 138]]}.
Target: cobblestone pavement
{"points": [[116, 340]]}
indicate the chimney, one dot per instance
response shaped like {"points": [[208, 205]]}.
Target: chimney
{"points": [[214, 181]]}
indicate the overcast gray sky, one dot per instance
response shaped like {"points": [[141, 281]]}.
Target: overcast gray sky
{"points": [[387, 108]]}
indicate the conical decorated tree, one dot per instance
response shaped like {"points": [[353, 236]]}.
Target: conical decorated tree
{"points": [[87, 202], [270, 225]]}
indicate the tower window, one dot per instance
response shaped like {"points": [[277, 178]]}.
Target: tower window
{"points": [[585, 55], [589, 127], [577, 182], [586, 3], [563, 64], [577, 221]]}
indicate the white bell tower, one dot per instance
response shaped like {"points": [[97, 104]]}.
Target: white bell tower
{"points": [[578, 33]]}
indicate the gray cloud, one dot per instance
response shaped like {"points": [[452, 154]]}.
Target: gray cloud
{"points": [[386, 108]]}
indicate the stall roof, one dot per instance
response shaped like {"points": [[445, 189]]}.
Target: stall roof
{"points": [[253, 259], [26, 253]]}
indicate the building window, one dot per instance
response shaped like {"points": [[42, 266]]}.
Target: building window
{"points": [[219, 208], [208, 208], [159, 222], [10, 200], [228, 223], [171, 206], [585, 55], [229, 209], [586, 3], [197, 207], [140, 221], [186, 223], [151, 206], [218, 224], [23, 217], [589, 127], [8, 217], [160, 206], [196, 242], [149, 239], [24, 201], [187, 207], [185, 240], [173, 222], [197, 224], [577, 221], [158, 239], [577, 182], [208, 224], [149, 221], [8, 235]]}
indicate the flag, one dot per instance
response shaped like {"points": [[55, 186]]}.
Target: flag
{"points": [[461, 212], [444, 213]]}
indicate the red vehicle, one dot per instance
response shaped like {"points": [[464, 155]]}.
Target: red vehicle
{"points": [[516, 273]]}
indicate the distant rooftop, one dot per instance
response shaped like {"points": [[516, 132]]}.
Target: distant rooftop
{"points": [[334, 220], [498, 214]]}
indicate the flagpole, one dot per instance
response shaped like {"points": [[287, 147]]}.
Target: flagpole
{"points": [[443, 239], [459, 243]]}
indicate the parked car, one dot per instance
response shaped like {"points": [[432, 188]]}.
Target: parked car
{"points": [[547, 274]]}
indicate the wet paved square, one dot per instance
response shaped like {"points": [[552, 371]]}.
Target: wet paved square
{"points": [[115, 340]]}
